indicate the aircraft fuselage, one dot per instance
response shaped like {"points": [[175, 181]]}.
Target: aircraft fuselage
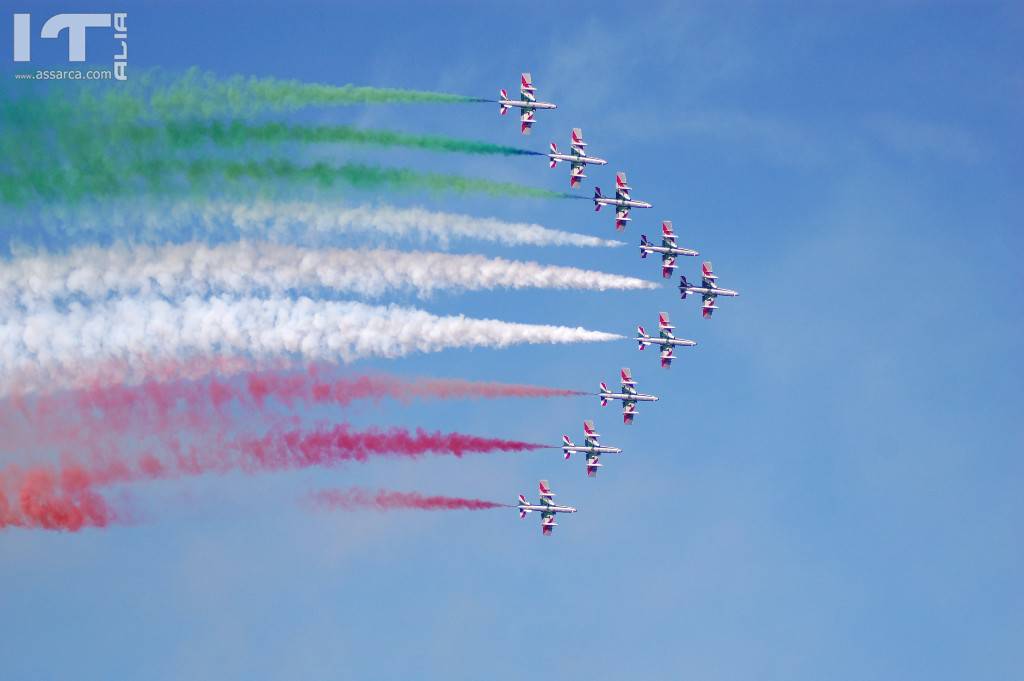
{"points": [[669, 250], [712, 291], [666, 341], [571, 158], [638, 397], [593, 450], [523, 104], [540, 508], [624, 203]]}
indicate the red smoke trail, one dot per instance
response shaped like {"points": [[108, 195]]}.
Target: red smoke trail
{"points": [[64, 497], [48, 501], [387, 500], [156, 407], [296, 449]]}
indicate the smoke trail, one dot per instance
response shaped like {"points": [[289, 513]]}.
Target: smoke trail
{"points": [[156, 408], [387, 500], [156, 95], [65, 497], [284, 221], [45, 501], [185, 135], [338, 444], [201, 94], [243, 268], [47, 348], [75, 182]]}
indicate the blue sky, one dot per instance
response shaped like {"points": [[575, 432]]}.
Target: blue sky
{"points": [[830, 485]]}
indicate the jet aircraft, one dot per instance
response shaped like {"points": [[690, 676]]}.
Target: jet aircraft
{"points": [[668, 249], [547, 507], [708, 289], [528, 103], [591, 447], [622, 201], [629, 396], [577, 159], [666, 339]]}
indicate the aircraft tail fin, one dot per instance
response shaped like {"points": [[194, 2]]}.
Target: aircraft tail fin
{"points": [[643, 334], [502, 96], [565, 447], [684, 286], [597, 195], [644, 243]]}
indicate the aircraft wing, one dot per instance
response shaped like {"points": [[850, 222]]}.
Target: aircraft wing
{"points": [[708, 274], [593, 463], [527, 120], [628, 412], [547, 497], [621, 218], [708, 307], [622, 188], [668, 237], [668, 263], [577, 143], [576, 174], [667, 357], [526, 89], [547, 523]]}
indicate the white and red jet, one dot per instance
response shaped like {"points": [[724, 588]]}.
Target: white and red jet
{"points": [[578, 159], [547, 507], [629, 396], [528, 103], [666, 339], [622, 201], [668, 249], [708, 289], [591, 447]]}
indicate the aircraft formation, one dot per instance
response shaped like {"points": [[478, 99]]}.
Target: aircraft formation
{"points": [[669, 250]]}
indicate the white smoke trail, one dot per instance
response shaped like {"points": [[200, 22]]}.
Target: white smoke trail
{"points": [[282, 221], [241, 268], [51, 348]]}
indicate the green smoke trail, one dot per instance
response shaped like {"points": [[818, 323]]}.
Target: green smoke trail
{"points": [[204, 94], [75, 144], [156, 95], [188, 134], [199, 176]]}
